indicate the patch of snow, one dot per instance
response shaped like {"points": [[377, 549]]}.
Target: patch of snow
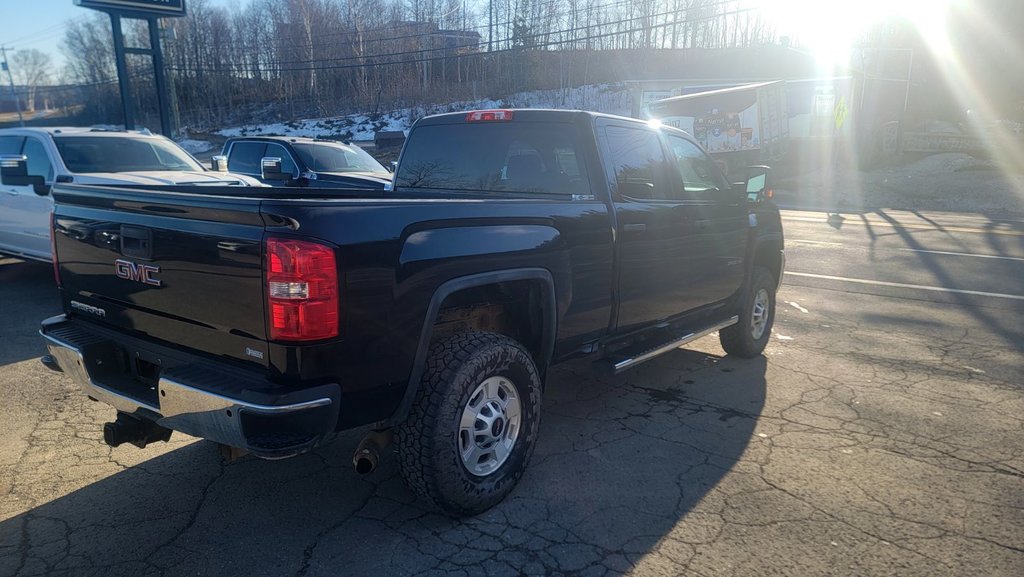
{"points": [[195, 146], [608, 98]]}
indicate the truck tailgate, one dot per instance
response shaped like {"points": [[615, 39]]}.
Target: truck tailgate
{"points": [[181, 268]]}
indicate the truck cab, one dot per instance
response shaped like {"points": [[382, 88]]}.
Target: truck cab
{"points": [[305, 162]]}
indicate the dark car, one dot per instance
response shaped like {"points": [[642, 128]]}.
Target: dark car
{"points": [[306, 162]]}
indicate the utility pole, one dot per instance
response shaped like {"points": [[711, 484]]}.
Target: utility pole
{"points": [[17, 103]]}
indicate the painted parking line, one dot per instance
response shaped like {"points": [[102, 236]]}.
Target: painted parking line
{"points": [[940, 252], [851, 221], [905, 285], [966, 219]]}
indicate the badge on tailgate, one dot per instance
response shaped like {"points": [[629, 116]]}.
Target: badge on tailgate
{"points": [[142, 273]]}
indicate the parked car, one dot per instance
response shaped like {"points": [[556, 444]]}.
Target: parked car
{"points": [[306, 162], [33, 159], [513, 240]]}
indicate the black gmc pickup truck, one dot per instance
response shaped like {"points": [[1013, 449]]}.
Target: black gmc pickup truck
{"points": [[267, 319]]}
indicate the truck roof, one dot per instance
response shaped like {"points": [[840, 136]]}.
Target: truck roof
{"points": [[77, 131], [292, 139], [530, 114]]}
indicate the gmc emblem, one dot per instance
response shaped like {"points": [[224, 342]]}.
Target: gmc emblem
{"points": [[142, 273]]}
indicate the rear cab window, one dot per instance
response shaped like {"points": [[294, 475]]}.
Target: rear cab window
{"points": [[637, 161], [506, 157], [701, 177]]}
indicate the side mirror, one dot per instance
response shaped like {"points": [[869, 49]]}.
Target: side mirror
{"points": [[757, 184], [219, 163], [392, 166], [270, 169], [14, 172]]}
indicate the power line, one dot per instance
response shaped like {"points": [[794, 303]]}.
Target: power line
{"points": [[47, 32], [275, 66], [600, 9]]}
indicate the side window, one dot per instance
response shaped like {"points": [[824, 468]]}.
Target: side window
{"points": [[244, 157], [699, 173], [638, 161], [276, 150], [567, 163], [38, 160], [11, 144]]}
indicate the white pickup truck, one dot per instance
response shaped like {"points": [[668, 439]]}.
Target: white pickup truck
{"points": [[33, 159]]}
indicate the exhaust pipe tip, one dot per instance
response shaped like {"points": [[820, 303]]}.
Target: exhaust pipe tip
{"points": [[367, 454], [365, 461]]}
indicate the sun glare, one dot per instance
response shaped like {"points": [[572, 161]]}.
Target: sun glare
{"points": [[830, 29]]}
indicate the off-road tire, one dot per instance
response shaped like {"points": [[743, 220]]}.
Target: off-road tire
{"points": [[427, 440], [739, 339]]}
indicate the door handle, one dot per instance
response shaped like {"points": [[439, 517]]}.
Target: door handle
{"points": [[703, 223], [11, 192], [634, 228]]}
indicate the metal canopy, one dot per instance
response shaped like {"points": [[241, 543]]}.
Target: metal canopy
{"points": [[137, 8], [151, 11]]}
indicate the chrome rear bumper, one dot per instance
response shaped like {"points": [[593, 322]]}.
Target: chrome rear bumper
{"points": [[284, 426]]}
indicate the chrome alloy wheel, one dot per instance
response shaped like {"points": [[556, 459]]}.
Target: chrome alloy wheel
{"points": [[759, 314], [489, 426]]}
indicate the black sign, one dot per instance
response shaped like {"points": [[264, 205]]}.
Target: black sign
{"points": [[143, 8]]}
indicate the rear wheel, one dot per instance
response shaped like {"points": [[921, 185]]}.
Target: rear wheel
{"points": [[473, 425], [750, 335]]}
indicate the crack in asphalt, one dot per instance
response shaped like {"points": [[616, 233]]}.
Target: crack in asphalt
{"points": [[727, 462]]}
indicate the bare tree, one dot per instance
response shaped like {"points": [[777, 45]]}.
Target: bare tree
{"points": [[284, 59], [31, 68]]}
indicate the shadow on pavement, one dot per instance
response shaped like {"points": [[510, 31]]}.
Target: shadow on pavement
{"points": [[35, 291], [1002, 325], [620, 471]]}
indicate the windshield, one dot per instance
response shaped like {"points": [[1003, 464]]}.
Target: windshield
{"points": [[85, 154], [494, 157], [330, 157]]}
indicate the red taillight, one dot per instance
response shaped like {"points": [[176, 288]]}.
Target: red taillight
{"points": [[53, 247], [302, 290], [489, 115]]}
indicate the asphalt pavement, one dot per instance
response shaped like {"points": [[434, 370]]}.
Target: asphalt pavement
{"points": [[879, 435]]}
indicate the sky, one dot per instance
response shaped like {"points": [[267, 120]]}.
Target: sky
{"points": [[40, 24]]}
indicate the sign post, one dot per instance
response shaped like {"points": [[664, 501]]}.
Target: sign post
{"points": [[151, 11]]}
